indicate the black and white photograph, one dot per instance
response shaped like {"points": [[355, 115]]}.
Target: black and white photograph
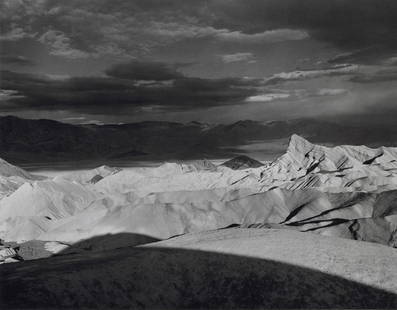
{"points": [[198, 154]]}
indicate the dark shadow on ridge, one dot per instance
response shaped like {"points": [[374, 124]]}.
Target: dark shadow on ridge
{"points": [[148, 277], [107, 242]]}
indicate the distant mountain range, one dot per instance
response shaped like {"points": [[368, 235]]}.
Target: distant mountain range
{"points": [[24, 141]]}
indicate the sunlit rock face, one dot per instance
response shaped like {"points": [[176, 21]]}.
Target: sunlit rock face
{"points": [[11, 177], [344, 191], [341, 168]]}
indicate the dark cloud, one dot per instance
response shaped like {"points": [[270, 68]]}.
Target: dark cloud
{"points": [[371, 55], [147, 71], [83, 37], [16, 60], [376, 77], [382, 111], [338, 70], [343, 22], [75, 29], [237, 57], [123, 90]]}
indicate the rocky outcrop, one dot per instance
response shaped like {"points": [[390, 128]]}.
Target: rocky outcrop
{"points": [[12, 177], [8, 253], [341, 168], [242, 162]]}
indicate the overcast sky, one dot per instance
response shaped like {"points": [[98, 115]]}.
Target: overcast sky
{"points": [[117, 61]]}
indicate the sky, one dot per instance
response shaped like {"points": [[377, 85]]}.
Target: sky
{"points": [[214, 61]]}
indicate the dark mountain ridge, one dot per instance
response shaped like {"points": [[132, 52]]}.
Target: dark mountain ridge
{"points": [[42, 141], [242, 162]]}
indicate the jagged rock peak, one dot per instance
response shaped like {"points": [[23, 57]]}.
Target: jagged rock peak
{"points": [[298, 144]]}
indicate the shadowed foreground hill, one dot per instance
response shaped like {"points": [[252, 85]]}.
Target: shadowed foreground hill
{"points": [[231, 268]]}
